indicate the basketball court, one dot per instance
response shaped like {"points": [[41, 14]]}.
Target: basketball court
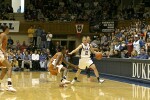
{"points": [[36, 86]]}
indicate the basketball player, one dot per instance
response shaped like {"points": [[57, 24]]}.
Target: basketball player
{"points": [[56, 66], [85, 60], [3, 59], [95, 48]]}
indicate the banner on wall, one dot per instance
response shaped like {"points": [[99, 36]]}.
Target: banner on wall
{"points": [[107, 26], [79, 28], [13, 25]]}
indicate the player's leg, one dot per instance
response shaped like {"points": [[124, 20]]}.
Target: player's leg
{"points": [[9, 72], [76, 76], [64, 76], [96, 73], [88, 72], [3, 73], [82, 65]]}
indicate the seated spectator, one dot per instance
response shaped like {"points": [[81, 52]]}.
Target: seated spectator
{"points": [[43, 61], [142, 54], [15, 64], [26, 61], [19, 57], [113, 54], [35, 60], [10, 55], [134, 54]]}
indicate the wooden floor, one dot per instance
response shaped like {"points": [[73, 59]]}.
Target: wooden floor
{"points": [[36, 86]]}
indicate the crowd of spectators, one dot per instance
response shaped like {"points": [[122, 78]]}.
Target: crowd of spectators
{"points": [[30, 58], [77, 10], [35, 60], [5, 9], [83, 10], [126, 42], [73, 10], [34, 53]]}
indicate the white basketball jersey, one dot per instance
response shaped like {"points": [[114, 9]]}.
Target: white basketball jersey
{"points": [[85, 52], [136, 45]]}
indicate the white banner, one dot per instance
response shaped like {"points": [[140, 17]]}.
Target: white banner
{"points": [[13, 25]]}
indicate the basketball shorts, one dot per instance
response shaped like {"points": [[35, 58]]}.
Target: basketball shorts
{"points": [[55, 71], [60, 66], [85, 63]]}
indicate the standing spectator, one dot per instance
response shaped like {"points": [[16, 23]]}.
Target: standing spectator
{"points": [[39, 31], [30, 33], [18, 45], [35, 60], [57, 46], [43, 40], [103, 39], [23, 46], [34, 36], [147, 46], [10, 42], [49, 39], [130, 47], [19, 9], [137, 44]]}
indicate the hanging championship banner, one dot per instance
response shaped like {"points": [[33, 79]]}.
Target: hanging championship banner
{"points": [[79, 28], [13, 25]]}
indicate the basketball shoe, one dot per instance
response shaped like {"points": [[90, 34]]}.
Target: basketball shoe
{"points": [[11, 89], [101, 80], [65, 81]]}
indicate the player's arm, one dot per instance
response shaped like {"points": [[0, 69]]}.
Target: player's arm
{"points": [[70, 64], [75, 50], [96, 49], [57, 59]]}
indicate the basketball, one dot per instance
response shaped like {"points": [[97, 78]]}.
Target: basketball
{"points": [[98, 55]]}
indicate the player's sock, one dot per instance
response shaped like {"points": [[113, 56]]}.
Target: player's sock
{"points": [[98, 78], [88, 73], [64, 77], [75, 78], [9, 82]]}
